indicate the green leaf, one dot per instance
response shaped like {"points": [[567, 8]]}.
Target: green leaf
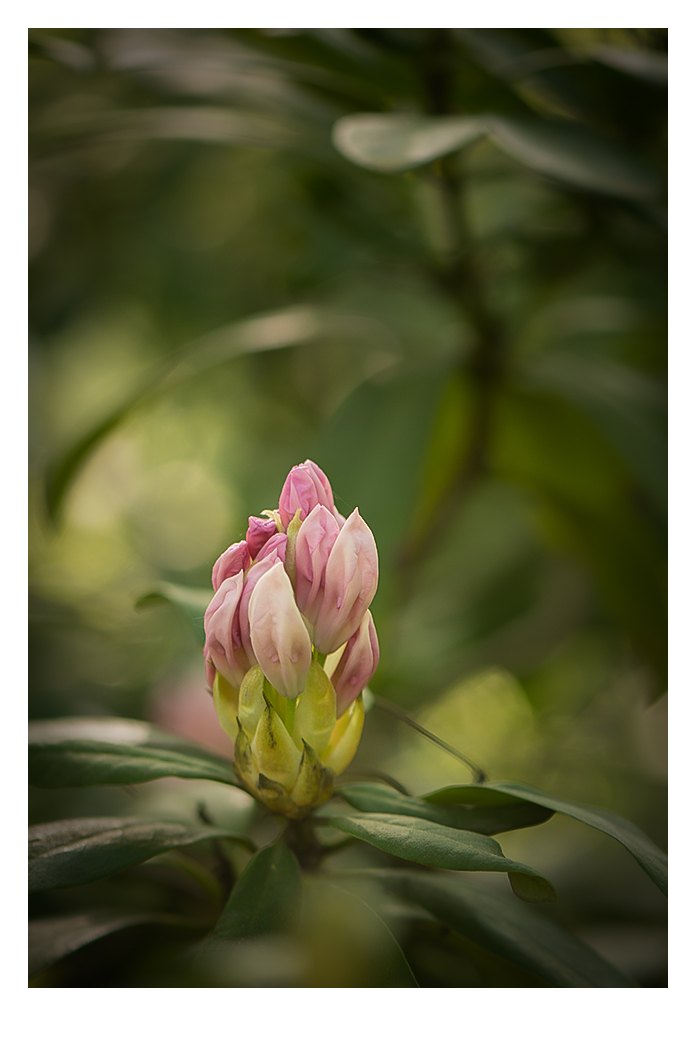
{"points": [[574, 154], [362, 951], [51, 939], [191, 603], [511, 930], [436, 845], [83, 752], [652, 859], [401, 141], [265, 900], [374, 798], [73, 852]]}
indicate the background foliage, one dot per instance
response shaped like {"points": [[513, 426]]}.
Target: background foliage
{"points": [[458, 310]]}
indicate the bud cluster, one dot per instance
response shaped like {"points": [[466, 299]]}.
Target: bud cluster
{"points": [[290, 643]]}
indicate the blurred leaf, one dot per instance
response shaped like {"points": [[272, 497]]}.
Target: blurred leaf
{"points": [[51, 939], [190, 602], [373, 798], [266, 898], [72, 852], [82, 752], [575, 155], [348, 944], [438, 846], [401, 141], [652, 859], [511, 930], [645, 65]]}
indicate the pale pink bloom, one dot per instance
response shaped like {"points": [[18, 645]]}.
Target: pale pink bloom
{"points": [[279, 637], [314, 542], [259, 532], [306, 487], [223, 639], [358, 664], [273, 552], [233, 560], [350, 582]]}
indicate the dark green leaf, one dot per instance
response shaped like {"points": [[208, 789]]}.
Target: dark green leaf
{"points": [[401, 141], [511, 930], [190, 602], [81, 752], [374, 798], [265, 900], [51, 939], [575, 155], [73, 852], [652, 859], [436, 845]]}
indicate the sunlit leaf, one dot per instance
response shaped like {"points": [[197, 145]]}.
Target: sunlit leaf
{"points": [[436, 845], [374, 798], [509, 929], [72, 852], [401, 141], [83, 752], [652, 859]]}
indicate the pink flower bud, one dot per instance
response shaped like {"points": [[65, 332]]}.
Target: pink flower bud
{"points": [[305, 488], [233, 560], [351, 580], [279, 638], [357, 665], [223, 639], [259, 532], [315, 541], [274, 551]]}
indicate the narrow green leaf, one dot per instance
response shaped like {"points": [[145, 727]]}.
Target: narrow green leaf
{"points": [[374, 798], [436, 845], [574, 154], [266, 898], [401, 141], [82, 752], [511, 930], [51, 939], [73, 852], [191, 603], [647, 854]]}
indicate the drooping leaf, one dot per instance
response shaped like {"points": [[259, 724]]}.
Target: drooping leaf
{"points": [[73, 852], [652, 859], [374, 798], [51, 939], [265, 900], [82, 752], [191, 603], [401, 141], [436, 845], [575, 155], [511, 930]]}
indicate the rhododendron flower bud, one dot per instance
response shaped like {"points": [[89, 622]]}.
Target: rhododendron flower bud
{"points": [[357, 665], [350, 582], [258, 533], [295, 591], [224, 647], [316, 538], [233, 560], [279, 637], [306, 487]]}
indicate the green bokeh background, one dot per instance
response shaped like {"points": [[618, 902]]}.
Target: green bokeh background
{"points": [[187, 204]]}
